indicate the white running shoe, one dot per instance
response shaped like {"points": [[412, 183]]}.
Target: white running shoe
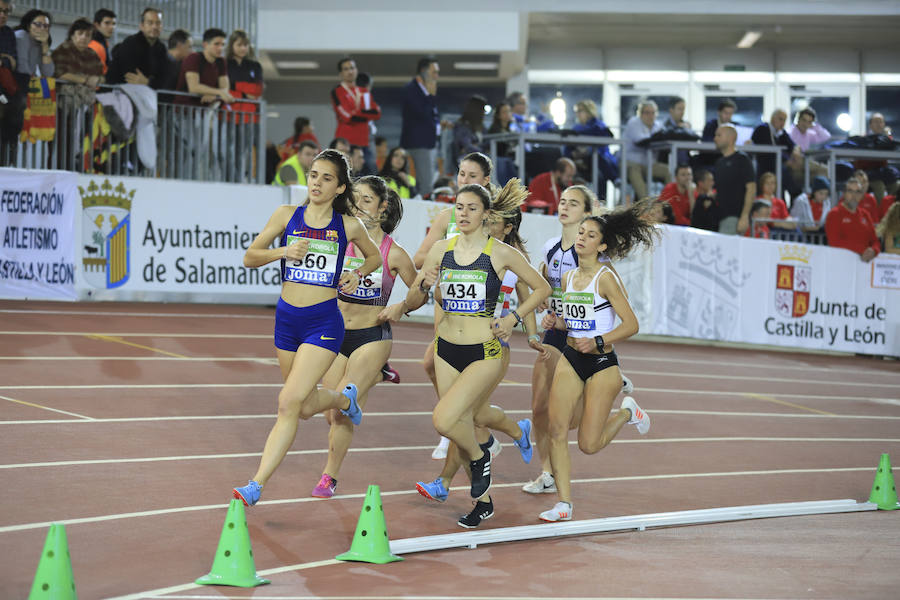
{"points": [[544, 484], [562, 511], [627, 386], [638, 416], [440, 451], [495, 448]]}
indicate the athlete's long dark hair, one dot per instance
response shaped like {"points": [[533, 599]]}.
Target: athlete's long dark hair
{"points": [[343, 202], [482, 160], [624, 229], [393, 209]]}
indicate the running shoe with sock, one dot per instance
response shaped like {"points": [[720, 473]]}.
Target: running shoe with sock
{"points": [[389, 374], [493, 446], [249, 493], [638, 416], [544, 484], [325, 487], [481, 475], [482, 512], [353, 411], [562, 511], [434, 490], [627, 386], [440, 451], [524, 442]]}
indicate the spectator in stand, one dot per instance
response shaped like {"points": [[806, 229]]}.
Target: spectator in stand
{"points": [[521, 122], [735, 183], [32, 59], [245, 76], [395, 173], [357, 161], [293, 170], [505, 165], [180, 46], [141, 58], [103, 29], [469, 129], [773, 133], [867, 202], [9, 89], [680, 195], [341, 145], [204, 73], [303, 131], [381, 151], [889, 229], [767, 184], [640, 127], [806, 134], [546, 188], [588, 122], [675, 119], [354, 109], [882, 178], [848, 227], [724, 113], [364, 80], [706, 209], [421, 125], [810, 210], [760, 211]]}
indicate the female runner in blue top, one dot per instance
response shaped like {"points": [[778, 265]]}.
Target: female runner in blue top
{"points": [[309, 328]]}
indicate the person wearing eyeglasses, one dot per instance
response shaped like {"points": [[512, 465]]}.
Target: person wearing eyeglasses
{"points": [[851, 227], [33, 47]]}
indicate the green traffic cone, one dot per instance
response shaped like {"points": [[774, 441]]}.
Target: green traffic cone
{"points": [[53, 580], [370, 542], [884, 494], [233, 564]]}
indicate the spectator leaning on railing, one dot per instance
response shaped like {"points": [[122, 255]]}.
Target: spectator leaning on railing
{"points": [[78, 65], [204, 73], [848, 227], [810, 210], [103, 29], [141, 58], [640, 127]]}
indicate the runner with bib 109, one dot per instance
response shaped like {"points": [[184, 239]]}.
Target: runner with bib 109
{"points": [[309, 328], [367, 317], [469, 269], [587, 377]]}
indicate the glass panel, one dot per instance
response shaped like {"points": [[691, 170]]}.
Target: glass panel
{"points": [[749, 111], [540, 95], [832, 113], [884, 100]]}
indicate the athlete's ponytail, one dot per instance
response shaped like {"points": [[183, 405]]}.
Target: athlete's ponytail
{"points": [[507, 205], [624, 229], [393, 212]]}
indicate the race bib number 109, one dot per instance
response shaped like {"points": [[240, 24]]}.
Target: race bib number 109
{"points": [[317, 267], [578, 311]]}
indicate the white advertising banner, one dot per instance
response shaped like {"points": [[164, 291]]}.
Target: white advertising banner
{"points": [[37, 213], [153, 239], [716, 287]]}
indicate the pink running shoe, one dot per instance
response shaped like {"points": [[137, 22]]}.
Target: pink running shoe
{"points": [[389, 374], [325, 487]]}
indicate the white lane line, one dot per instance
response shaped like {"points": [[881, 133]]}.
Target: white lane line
{"points": [[186, 587], [427, 413], [136, 314], [42, 407], [182, 509], [688, 440]]}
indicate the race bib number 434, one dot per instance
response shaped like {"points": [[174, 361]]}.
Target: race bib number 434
{"points": [[578, 311], [463, 291], [317, 267]]}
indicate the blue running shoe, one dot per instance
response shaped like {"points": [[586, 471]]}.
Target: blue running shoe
{"points": [[248, 493], [353, 411], [524, 443], [434, 490]]}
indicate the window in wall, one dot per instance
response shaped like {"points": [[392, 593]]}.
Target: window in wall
{"points": [[749, 111], [540, 96], [884, 100], [832, 113]]}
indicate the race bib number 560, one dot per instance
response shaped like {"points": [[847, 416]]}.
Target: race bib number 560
{"points": [[317, 267]]}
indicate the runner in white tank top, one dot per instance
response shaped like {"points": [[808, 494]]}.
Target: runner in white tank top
{"points": [[587, 378]]}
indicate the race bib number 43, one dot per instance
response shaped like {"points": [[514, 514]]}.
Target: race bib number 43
{"points": [[463, 291], [370, 285], [317, 267], [556, 301], [578, 311]]}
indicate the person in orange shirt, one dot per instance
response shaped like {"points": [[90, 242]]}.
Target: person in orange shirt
{"points": [[546, 188], [104, 27]]}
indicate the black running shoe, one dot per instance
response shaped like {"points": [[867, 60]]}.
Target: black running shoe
{"points": [[482, 512], [481, 475]]}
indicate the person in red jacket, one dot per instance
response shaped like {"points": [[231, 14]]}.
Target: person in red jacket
{"points": [[847, 226], [868, 202], [354, 108], [546, 188], [680, 194]]}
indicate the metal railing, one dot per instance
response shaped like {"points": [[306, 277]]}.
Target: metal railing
{"points": [[832, 154], [199, 143], [794, 234], [193, 15]]}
